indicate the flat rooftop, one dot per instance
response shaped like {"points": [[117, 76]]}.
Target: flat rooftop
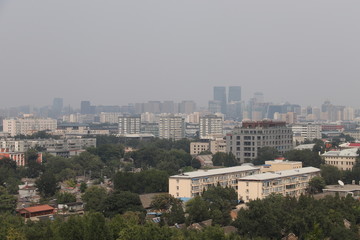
{"points": [[345, 188], [280, 174], [212, 172], [352, 152], [274, 162]]}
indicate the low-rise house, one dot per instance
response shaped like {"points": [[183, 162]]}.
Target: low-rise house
{"points": [[71, 207], [35, 211], [27, 190], [205, 160]]}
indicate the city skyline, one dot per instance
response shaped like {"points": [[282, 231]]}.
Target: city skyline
{"points": [[106, 53]]}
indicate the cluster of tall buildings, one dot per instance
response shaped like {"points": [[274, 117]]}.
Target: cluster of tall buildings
{"points": [[230, 106]]}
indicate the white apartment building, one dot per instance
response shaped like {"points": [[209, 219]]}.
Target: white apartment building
{"points": [[343, 160], [62, 147], [308, 131], [171, 127], [211, 126], [28, 126], [109, 117], [129, 125], [288, 183], [191, 184]]}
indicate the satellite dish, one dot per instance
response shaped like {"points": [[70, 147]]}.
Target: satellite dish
{"points": [[341, 183]]}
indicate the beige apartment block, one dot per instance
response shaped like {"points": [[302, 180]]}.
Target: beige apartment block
{"points": [[280, 165], [288, 183], [343, 160], [191, 184], [214, 146]]}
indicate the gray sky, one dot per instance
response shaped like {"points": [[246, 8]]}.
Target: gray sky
{"points": [[121, 51]]}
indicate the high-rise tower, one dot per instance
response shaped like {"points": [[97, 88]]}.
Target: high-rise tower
{"points": [[220, 95]]}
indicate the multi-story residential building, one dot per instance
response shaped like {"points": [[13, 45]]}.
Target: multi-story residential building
{"points": [[214, 146], [171, 127], [129, 125], [343, 160], [28, 125], [109, 117], [211, 126], [288, 183], [245, 141], [191, 184], [308, 131], [58, 147]]}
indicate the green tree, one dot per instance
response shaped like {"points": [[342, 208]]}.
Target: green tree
{"points": [[95, 227], [72, 229], [94, 198], [307, 157], [331, 174], [264, 154], [83, 187], [65, 197], [34, 168], [197, 209], [120, 202], [7, 201], [47, 184], [221, 201], [316, 185]]}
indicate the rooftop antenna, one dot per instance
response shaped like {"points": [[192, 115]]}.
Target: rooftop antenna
{"points": [[341, 183]]}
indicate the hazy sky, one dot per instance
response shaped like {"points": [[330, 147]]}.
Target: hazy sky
{"points": [[122, 51]]}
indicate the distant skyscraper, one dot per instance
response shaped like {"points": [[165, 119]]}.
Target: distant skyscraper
{"points": [[234, 94], [220, 95], [57, 104], [187, 107], [85, 107], [214, 106], [57, 107]]}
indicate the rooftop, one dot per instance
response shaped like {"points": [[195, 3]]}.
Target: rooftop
{"points": [[352, 152], [277, 161], [345, 188], [305, 146], [219, 171], [280, 174], [39, 208]]}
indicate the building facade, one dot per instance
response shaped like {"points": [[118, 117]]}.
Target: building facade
{"points": [[191, 184], [210, 126], [28, 125], [171, 127], [307, 131], [213, 146], [129, 125], [109, 117], [343, 160], [244, 142], [288, 183]]}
